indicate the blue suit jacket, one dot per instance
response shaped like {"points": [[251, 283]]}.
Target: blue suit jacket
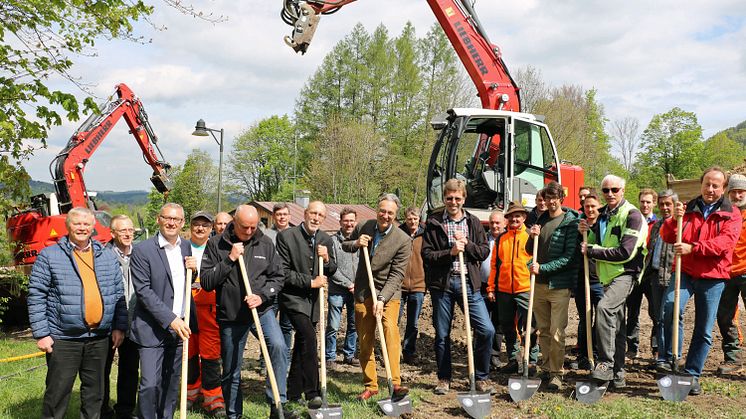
{"points": [[151, 277]]}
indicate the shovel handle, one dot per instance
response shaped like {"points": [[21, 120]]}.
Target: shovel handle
{"points": [[379, 324], [185, 346], [530, 314], [322, 334], [587, 285], [467, 320], [262, 342], [676, 297]]}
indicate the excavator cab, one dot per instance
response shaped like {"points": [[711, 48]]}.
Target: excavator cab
{"points": [[502, 156]]}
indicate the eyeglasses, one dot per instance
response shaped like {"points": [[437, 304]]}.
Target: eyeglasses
{"points": [[454, 198], [613, 190], [125, 230], [171, 219]]}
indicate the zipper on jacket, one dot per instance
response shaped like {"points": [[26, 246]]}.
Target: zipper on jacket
{"points": [[512, 263]]}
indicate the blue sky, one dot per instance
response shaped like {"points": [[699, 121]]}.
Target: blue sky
{"points": [[643, 57]]}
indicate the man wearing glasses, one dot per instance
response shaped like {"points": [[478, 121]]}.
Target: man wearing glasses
{"points": [[159, 269], [447, 234], [618, 247], [122, 233]]}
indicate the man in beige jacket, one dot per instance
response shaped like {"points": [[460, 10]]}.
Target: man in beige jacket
{"points": [[390, 249]]}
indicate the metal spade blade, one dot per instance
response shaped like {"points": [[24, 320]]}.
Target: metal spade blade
{"points": [[477, 405], [674, 388], [589, 392]]}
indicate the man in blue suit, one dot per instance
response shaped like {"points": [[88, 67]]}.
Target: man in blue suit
{"points": [[159, 269]]}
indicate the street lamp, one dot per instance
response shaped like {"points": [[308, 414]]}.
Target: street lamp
{"points": [[200, 130]]}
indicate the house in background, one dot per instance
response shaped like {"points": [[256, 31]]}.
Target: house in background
{"points": [[331, 223]]}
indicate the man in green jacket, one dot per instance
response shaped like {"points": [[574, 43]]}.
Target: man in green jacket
{"points": [[556, 270], [619, 250]]}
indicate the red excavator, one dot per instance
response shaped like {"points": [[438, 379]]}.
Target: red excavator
{"points": [[43, 223], [501, 153]]}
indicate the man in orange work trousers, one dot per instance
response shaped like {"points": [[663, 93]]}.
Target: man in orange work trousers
{"points": [[203, 378]]}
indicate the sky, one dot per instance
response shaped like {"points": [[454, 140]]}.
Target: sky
{"points": [[642, 57]]}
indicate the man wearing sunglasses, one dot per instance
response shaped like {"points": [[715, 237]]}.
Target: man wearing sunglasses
{"points": [[618, 247]]}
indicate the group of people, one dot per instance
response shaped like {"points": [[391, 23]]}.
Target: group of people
{"points": [[87, 300]]}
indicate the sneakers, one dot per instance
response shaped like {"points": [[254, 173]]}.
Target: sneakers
{"points": [[495, 362], [729, 367], [351, 361], [632, 354], [619, 382], [443, 387], [580, 364], [555, 383], [485, 386], [695, 390], [603, 372], [410, 359], [663, 367]]}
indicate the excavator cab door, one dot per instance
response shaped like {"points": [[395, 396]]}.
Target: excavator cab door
{"points": [[532, 161]]}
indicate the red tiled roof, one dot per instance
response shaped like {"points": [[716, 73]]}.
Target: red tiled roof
{"points": [[331, 223]]}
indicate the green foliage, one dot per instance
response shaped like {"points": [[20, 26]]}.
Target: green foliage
{"points": [[722, 150], [262, 158], [195, 184], [151, 209], [37, 40], [672, 143]]}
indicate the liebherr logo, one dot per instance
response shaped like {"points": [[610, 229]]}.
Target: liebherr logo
{"points": [[98, 137], [471, 48]]}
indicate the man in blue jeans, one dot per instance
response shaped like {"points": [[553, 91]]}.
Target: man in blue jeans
{"points": [[341, 287], [447, 233], [220, 271], [711, 226]]}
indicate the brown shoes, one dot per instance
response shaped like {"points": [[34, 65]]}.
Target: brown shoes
{"points": [[399, 392], [367, 394]]}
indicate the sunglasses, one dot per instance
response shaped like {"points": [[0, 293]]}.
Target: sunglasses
{"points": [[613, 190], [454, 198]]}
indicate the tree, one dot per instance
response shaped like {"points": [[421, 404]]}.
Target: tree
{"points": [[721, 150], [533, 87], [671, 143], [262, 158], [195, 184], [624, 136]]}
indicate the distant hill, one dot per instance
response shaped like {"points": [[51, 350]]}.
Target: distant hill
{"points": [[110, 197], [737, 133]]}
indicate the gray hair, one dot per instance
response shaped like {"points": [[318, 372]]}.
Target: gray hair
{"points": [[390, 197], [613, 178], [78, 211], [668, 193], [172, 205], [117, 218]]}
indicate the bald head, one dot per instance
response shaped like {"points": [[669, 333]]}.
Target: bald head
{"points": [[314, 216], [245, 222], [222, 219]]}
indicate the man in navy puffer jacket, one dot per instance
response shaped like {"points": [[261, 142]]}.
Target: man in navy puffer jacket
{"points": [[75, 302]]}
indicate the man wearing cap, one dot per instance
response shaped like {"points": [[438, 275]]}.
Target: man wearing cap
{"points": [[509, 285], [727, 316], [618, 247], [556, 268], [447, 234], [711, 227], [203, 379]]}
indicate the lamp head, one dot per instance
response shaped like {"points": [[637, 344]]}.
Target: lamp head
{"points": [[200, 130]]}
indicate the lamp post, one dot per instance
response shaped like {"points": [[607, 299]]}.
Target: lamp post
{"points": [[200, 130]]}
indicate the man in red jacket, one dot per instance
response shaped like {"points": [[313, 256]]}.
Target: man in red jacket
{"points": [[711, 225]]}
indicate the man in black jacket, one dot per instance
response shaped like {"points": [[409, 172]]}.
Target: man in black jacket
{"points": [[220, 272], [300, 248], [447, 234]]}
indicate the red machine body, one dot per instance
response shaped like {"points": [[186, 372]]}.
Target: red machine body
{"points": [[43, 223]]}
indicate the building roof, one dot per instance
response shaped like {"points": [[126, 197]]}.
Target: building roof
{"points": [[331, 223]]}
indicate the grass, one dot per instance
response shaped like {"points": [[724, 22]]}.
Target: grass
{"points": [[21, 391]]}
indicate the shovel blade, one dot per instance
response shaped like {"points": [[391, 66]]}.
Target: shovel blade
{"points": [[522, 388], [589, 392], [476, 405], [326, 412], [397, 408], [674, 388]]}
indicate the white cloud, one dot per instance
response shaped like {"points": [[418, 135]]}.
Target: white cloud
{"points": [[643, 57]]}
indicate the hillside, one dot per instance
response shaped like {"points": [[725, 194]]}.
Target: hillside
{"points": [[110, 197]]}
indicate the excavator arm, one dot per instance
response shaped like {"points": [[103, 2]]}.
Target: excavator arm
{"points": [[68, 166], [482, 59]]}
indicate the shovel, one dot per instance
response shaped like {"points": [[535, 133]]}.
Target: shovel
{"points": [[674, 387], [185, 347], [390, 407], [325, 411], [588, 392], [477, 405], [522, 388], [262, 342]]}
